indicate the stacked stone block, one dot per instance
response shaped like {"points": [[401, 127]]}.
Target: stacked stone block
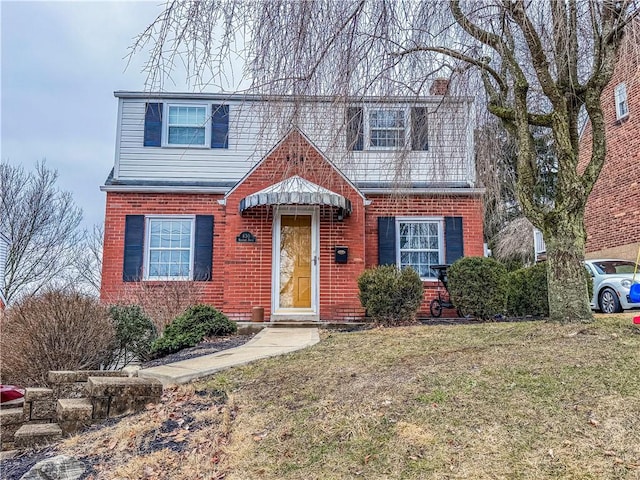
{"points": [[11, 419], [73, 384], [113, 396], [39, 405]]}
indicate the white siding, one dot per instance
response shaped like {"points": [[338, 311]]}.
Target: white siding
{"points": [[256, 127]]}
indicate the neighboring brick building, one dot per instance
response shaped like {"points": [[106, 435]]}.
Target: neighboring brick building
{"points": [[269, 203], [612, 216]]}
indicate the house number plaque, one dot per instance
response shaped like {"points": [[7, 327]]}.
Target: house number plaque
{"points": [[246, 237]]}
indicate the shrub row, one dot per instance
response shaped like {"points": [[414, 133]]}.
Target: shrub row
{"points": [[527, 292], [483, 288]]}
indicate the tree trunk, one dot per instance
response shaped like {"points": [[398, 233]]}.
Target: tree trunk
{"points": [[568, 294]]}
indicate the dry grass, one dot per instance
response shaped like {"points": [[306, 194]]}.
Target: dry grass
{"points": [[501, 401]]}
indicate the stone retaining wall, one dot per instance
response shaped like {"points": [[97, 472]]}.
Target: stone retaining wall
{"points": [[76, 400]]}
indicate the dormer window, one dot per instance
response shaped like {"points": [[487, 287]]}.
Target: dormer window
{"points": [[187, 125], [387, 128], [622, 105], [373, 128]]}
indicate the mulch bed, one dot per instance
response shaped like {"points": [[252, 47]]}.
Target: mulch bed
{"points": [[206, 347]]}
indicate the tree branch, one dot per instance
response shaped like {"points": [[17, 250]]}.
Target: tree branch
{"points": [[483, 65]]}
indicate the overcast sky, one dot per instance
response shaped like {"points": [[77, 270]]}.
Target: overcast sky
{"points": [[61, 62]]}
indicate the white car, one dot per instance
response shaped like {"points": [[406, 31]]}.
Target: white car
{"points": [[612, 281]]}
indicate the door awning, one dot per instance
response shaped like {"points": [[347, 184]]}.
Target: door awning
{"points": [[296, 191]]}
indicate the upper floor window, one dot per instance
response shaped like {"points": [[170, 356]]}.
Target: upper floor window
{"points": [[372, 128], [387, 128], [186, 125], [622, 105]]}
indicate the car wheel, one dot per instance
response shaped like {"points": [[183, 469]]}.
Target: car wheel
{"points": [[436, 308], [608, 301]]}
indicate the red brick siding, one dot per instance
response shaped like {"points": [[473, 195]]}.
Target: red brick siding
{"points": [[338, 283], [469, 208], [242, 273], [119, 205], [612, 217]]}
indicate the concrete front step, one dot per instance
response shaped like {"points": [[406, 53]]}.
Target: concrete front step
{"points": [[37, 394], [31, 435], [294, 324], [11, 419], [123, 386]]}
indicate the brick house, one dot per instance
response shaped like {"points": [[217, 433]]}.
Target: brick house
{"points": [[612, 217], [282, 204]]}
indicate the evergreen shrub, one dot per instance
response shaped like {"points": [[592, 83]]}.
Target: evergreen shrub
{"points": [[478, 286], [134, 333], [389, 295], [190, 327], [527, 292]]}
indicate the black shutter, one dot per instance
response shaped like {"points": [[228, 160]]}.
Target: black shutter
{"points": [[419, 129], [133, 248], [386, 240], [153, 125], [203, 254], [453, 238], [355, 128], [219, 126]]}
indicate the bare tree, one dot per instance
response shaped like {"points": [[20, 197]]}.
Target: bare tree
{"points": [[41, 222], [540, 63], [87, 263]]}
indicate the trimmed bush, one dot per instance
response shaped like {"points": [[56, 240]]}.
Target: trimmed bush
{"points": [[135, 333], [478, 286], [189, 328], [527, 292], [391, 296], [57, 330]]}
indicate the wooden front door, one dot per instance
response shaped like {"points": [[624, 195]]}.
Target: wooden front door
{"points": [[295, 261]]}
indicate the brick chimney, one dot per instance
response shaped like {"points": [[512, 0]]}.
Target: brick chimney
{"points": [[440, 86]]}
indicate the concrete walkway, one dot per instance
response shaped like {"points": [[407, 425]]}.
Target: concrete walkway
{"points": [[270, 342]]}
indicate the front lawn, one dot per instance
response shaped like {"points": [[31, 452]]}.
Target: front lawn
{"points": [[526, 400]]}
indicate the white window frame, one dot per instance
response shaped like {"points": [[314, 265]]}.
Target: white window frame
{"points": [[622, 100], [367, 127], [441, 250], [147, 246], [206, 126]]}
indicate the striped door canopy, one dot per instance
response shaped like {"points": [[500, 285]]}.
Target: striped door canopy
{"points": [[296, 191]]}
